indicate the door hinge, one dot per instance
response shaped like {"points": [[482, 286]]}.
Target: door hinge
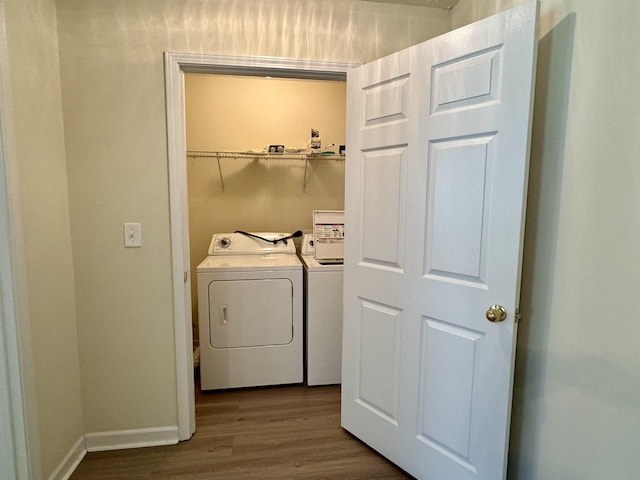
{"points": [[186, 276]]}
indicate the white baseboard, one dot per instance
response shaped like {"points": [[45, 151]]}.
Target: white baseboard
{"points": [[121, 439], [70, 461]]}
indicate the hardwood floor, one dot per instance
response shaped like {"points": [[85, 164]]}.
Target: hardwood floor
{"points": [[290, 432]]}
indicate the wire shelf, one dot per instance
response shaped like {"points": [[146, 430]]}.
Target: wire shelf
{"points": [[266, 156]]}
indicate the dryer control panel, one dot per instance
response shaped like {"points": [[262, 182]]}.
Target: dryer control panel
{"points": [[242, 244]]}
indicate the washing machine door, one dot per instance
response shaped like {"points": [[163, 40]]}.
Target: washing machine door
{"points": [[250, 313]]}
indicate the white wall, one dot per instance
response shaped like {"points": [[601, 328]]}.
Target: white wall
{"points": [[114, 112], [42, 183], [577, 392]]}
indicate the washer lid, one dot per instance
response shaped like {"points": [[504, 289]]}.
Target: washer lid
{"points": [[313, 265], [266, 262]]}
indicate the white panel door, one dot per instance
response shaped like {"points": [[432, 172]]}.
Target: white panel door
{"points": [[438, 144]]}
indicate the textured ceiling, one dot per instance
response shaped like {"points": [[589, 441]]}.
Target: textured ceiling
{"points": [[445, 4]]}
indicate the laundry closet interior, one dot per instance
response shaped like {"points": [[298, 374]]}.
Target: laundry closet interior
{"points": [[235, 181]]}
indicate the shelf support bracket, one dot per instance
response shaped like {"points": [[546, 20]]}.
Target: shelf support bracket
{"points": [[304, 179], [220, 173]]}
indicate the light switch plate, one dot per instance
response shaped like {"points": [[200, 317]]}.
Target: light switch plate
{"points": [[132, 235]]}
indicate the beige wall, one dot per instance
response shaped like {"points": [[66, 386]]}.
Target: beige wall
{"points": [[576, 414], [576, 410], [113, 99], [225, 113], [42, 179], [239, 113]]}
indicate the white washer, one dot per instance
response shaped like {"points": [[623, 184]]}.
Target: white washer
{"points": [[250, 312], [323, 317]]}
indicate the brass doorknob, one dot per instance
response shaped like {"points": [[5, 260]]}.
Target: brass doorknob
{"points": [[496, 313]]}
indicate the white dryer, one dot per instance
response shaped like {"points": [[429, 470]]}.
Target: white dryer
{"points": [[250, 295]]}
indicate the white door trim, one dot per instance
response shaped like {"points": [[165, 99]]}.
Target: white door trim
{"points": [[18, 409], [176, 64]]}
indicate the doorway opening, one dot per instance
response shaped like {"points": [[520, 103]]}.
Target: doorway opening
{"points": [[235, 182], [176, 65]]}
